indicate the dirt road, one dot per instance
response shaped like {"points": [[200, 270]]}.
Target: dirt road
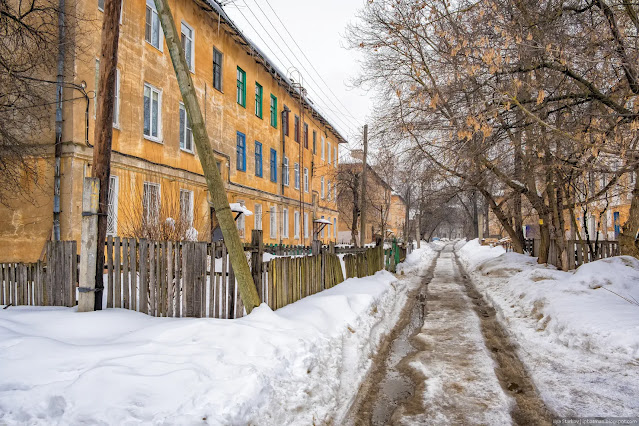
{"points": [[447, 362]]}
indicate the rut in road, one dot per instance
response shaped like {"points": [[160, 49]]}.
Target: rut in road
{"points": [[456, 368]]}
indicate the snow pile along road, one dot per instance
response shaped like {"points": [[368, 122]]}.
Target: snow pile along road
{"points": [[299, 365], [578, 331]]}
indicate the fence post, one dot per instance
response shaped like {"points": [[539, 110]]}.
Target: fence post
{"points": [[257, 254], [91, 189]]}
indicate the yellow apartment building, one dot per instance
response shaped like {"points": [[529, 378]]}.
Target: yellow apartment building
{"points": [[275, 151]]}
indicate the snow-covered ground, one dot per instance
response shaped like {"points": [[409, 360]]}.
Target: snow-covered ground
{"points": [[577, 332], [301, 364]]}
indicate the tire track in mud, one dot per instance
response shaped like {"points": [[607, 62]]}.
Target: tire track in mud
{"points": [[389, 382]]}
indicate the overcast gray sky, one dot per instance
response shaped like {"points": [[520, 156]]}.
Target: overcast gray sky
{"points": [[318, 27]]}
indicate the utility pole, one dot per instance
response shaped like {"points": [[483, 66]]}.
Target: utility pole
{"points": [[214, 182], [362, 193], [104, 130]]}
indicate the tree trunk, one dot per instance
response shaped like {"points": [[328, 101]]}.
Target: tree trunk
{"points": [[214, 181], [104, 130], [628, 236]]}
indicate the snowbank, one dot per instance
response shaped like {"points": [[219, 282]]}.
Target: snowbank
{"points": [[299, 365], [578, 331], [417, 260]]}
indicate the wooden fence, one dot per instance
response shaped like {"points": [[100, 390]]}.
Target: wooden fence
{"points": [[364, 263], [579, 252], [49, 283]]}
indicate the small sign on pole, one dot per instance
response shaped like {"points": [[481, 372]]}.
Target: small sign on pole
{"points": [[89, 247]]}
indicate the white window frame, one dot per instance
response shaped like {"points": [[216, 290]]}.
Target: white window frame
{"points": [[322, 233], [328, 190], [192, 39], [97, 83], [257, 220], [334, 227], [155, 18], [305, 225], [296, 175], [335, 157], [187, 127], [116, 100], [145, 201], [323, 151], [334, 192], [285, 222], [296, 225], [152, 89], [221, 88], [273, 222], [112, 202], [305, 179], [188, 217], [285, 172], [328, 148], [322, 187]]}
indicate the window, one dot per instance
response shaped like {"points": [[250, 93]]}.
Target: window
{"points": [[240, 161], [273, 165], [296, 135], [258, 217], [285, 171], [296, 225], [241, 222], [328, 190], [241, 87], [116, 99], [297, 175], [186, 207], [314, 142], [101, 5], [322, 147], [328, 148], [305, 135], [334, 227], [322, 187], [217, 69], [112, 209], [188, 45], [305, 225], [285, 223], [305, 179], [258, 159], [273, 222], [258, 100], [273, 111], [151, 203], [335, 157], [152, 112], [285, 120], [323, 227], [153, 33], [186, 135], [116, 94], [335, 192]]}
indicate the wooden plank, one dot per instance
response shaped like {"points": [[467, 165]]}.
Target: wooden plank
{"points": [[143, 265], [133, 249], [152, 278], [109, 255], [4, 296], [178, 280], [125, 273], [213, 290], [74, 272], [203, 278], [117, 277], [185, 278], [230, 300], [169, 276], [161, 278], [224, 284]]}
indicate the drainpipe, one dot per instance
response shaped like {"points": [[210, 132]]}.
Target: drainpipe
{"points": [[58, 122]]}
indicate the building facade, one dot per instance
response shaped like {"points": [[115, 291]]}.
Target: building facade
{"points": [[275, 151]]}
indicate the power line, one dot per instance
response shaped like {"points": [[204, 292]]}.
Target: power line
{"points": [[346, 126], [309, 62], [345, 113]]}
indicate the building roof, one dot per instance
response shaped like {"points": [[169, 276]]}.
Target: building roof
{"points": [[270, 66]]}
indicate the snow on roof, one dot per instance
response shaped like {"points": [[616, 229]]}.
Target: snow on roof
{"points": [[326, 221], [238, 208]]}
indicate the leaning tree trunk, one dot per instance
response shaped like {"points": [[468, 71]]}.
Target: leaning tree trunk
{"points": [[628, 236]]}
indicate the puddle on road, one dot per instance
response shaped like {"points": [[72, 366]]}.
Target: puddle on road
{"points": [[389, 384]]}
